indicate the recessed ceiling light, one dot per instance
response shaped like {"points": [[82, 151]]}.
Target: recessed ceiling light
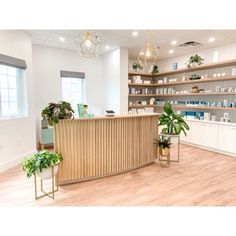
{"points": [[171, 51], [107, 47], [174, 42], [135, 33], [62, 39], [211, 40]]}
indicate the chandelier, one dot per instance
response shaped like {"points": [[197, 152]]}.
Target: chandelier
{"points": [[89, 45], [148, 54]]}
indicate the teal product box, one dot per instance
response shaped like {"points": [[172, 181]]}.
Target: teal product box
{"points": [[81, 110]]}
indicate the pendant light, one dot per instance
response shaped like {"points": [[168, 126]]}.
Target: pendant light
{"points": [[148, 54], [89, 44]]}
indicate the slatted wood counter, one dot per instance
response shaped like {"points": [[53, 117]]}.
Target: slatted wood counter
{"points": [[103, 146]]}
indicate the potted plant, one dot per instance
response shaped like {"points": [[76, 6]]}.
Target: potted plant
{"points": [[195, 61], [137, 66], [174, 123], [41, 164], [154, 72], [164, 146], [56, 111]]}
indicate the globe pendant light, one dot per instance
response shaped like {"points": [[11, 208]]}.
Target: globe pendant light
{"points": [[89, 45], [148, 54]]}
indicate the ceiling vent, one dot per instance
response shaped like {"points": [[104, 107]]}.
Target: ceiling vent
{"points": [[189, 44]]}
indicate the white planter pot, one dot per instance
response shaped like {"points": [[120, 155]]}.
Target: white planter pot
{"points": [[47, 173], [194, 65]]}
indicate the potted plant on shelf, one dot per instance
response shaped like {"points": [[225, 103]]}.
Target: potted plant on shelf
{"points": [[41, 164], [56, 111], [174, 123], [164, 146], [154, 72], [195, 61], [137, 66]]}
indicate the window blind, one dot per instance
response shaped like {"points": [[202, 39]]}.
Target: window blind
{"points": [[72, 74], [12, 61]]}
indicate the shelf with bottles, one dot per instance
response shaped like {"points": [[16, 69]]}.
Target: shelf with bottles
{"points": [[172, 92], [202, 67], [219, 105], [199, 107]]}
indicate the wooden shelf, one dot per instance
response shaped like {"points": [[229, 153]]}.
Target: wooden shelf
{"points": [[187, 107], [197, 81], [185, 70], [141, 74], [142, 85], [143, 95], [141, 106], [183, 94], [201, 67], [200, 107], [195, 94], [184, 82]]}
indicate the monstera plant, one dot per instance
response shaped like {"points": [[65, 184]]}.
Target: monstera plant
{"points": [[174, 123]]}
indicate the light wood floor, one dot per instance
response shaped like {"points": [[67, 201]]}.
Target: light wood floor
{"points": [[202, 178]]}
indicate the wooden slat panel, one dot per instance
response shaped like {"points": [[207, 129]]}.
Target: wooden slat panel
{"points": [[94, 148]]}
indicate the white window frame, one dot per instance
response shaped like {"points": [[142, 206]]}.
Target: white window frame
{"points": [[83, 92], [22, 98]]}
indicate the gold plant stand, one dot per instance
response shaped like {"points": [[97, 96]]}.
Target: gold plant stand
{"points": [[165, 160], [50, 194]]}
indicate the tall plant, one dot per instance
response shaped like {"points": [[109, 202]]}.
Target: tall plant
{"points": [[56, 111], [174, 123]]}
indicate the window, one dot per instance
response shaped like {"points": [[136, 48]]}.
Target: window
{"points": [[73, 91], [13, 99]]}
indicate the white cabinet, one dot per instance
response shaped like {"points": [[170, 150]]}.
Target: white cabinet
{"points": [[203, 134], [187, 138], [210, 135], [227, 138]]}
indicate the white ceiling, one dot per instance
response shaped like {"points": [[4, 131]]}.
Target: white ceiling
{"points": [[124, 38]]}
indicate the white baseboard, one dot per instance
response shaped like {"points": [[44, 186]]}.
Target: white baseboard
{"points": [[14, 161], [209, 149]]}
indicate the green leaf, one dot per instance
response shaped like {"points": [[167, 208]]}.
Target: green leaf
{"points": [[167, 108]]}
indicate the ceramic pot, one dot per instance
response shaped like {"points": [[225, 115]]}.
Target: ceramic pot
{"points": [[47, 173], [164, 152], [194, 65]]}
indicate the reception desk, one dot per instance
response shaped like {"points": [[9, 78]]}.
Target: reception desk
{"points": [[103, 146]]}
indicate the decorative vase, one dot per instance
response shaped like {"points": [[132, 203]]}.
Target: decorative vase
{"points": [[47, 173], [164, 152]]}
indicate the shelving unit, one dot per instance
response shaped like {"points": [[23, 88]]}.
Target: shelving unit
{"points": [[209, 96], [189, 107], [202, 107], [182, 94]]}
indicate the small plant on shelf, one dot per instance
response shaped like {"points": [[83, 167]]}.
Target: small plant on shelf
{"points": [[195, 61], [175, 124], [39, 162], [137, 66], [56, 111], [154, 72]]}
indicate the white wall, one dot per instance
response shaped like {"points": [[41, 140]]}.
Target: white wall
{"points": [[17, 136], [48, 62], [116, 80], [225, 52]]}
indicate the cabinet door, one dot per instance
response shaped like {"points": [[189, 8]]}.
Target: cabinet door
{"points": [[210, 133], [187, 138], [227, 139], [197, 133]]}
